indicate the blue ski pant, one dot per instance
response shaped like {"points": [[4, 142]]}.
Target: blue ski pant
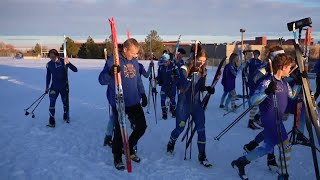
{"points": [[167, 92], [267, 148], [183, 114], [230, 98], [53, 95]]}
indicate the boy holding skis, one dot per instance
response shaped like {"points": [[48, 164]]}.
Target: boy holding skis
{"points": [[185, 108], [109, 133], [271, 118], [133, 90], [57, 71]]}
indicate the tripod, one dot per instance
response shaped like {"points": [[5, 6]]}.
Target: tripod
{"points": [[296, 136]]}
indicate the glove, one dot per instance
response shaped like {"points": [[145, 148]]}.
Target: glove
{"points": [[111, 71], [144, 100], [194, 69], [298, 81], [210, 89], [159, 81], [271, 88], [299, 77]]}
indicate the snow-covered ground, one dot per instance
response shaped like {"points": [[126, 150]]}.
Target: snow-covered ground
{"points": [[30, 150]]}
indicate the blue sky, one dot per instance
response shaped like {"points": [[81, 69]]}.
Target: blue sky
{"points": [[187, 17]]}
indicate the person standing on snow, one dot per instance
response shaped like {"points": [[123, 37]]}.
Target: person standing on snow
{"points": [[229, 76], [185, 108], [133, 91], [263, 96], [57, 71], [167, 79], [110, 127], [250, 69]]}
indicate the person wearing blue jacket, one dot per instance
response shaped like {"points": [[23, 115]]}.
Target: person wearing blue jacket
{"points": [[133, 91], [110, 126], [186, 107], [57, 75], [228, 82], [250, 70], [274, 130], [167, 79]]}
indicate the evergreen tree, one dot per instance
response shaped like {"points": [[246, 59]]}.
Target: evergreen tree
{"points": [[156, 44]]}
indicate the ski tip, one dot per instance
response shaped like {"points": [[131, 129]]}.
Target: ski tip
{"points": [[129, 168]]}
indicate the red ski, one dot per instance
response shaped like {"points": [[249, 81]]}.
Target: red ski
{"points": [[119, 97]]}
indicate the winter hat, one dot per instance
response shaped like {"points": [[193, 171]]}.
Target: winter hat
{"points": [[165, 57], [275, 53]]}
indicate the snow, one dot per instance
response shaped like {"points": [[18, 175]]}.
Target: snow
{"points": [[30, 150]]}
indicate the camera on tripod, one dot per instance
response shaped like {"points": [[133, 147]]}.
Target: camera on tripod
{"points": [[299, 24]]}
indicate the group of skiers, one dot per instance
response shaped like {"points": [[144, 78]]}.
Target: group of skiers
{"points": [[268, 85]]}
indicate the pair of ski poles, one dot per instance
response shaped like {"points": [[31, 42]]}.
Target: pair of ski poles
{"points": [[37, 102]]}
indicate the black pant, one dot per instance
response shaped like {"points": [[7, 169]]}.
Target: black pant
{"points": [[137, 118]]}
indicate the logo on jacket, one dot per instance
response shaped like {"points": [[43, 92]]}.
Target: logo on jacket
{"points": [[129, 71]]}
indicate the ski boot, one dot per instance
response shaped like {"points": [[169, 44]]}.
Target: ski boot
{"points": [[250, 146], [252, 125], [272, 163], [173, 111], [203, 160], [283, 177], [52, 122], [164, 113], [164, 116], [107, 141], [239, 165], [134, 157], [118, 164], [66, 117], [170, 147]]}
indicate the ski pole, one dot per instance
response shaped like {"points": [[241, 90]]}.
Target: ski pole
{"points": [[26, 110], [235, 109], [233, 123], [148, 107], [275, 106], [33, 116]]}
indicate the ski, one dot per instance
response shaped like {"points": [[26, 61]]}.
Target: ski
{"points": [[153, 83], [193, 86], [176, 50], [67, 118], [214, 82], [206, 99], [119, 97]]}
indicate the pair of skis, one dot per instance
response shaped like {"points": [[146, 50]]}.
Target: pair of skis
{"points": [[120, 105], [205, 101]]}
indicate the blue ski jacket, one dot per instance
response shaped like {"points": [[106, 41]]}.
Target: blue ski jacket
{"points": [[131, 81], [57, 71]]}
